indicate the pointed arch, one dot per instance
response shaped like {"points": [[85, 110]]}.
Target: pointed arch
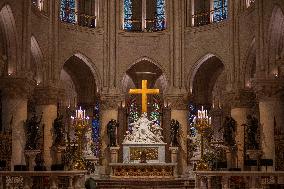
{"points": [[196, 67], [7, 21], [37, 56], [249, 66], [162, 81], [276, 37]]}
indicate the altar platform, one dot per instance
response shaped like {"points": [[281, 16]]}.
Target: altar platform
{"points": [[143, 170]]}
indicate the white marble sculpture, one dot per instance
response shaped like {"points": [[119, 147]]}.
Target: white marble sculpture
{"points": [[89, 143], [144, 131]]}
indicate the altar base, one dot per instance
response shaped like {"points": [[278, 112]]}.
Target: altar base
{"points": [[143, 170]]}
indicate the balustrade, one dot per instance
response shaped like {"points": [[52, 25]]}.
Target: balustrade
{"points": [[241, 179], [42, 179]]}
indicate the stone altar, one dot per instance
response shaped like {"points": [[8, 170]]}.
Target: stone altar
{"points": [[145, 138]]}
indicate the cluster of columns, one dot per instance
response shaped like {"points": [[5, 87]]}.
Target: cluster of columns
{"points": [[16, 93]]}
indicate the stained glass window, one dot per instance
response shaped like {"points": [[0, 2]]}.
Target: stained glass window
{"points": [[96, 130], [133, 112], [220, 10], [68, 11], [127, 14], [155, 115], [191, 115], [161, 17]]}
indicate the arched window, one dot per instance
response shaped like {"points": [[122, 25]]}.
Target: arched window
{"points": [[144, 15], [96, 130], [220, 10], [81, 12], [208, 11], [68, 11]]}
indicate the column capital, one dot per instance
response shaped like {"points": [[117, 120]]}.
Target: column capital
{"points": [[241, 98], [176, 101], [109, 102], [17, 87], [47, 95], [268, 89]]}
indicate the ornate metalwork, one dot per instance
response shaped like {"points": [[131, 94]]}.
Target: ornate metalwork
{"points": [[151, 153], [154, 171]]}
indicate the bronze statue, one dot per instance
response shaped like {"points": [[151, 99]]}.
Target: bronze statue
{"points": [[33, 132], [111, 132], [251, 135], [59, 131], [174, 132], [229, 128]]}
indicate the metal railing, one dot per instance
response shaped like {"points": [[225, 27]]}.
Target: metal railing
{"points": [[202, 18], [150, 25]]}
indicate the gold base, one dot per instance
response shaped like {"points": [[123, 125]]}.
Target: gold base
{"points": [[79, 165], [202, 166]]}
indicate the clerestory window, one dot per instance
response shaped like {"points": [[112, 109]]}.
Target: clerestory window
{"points": [[144, 15]]}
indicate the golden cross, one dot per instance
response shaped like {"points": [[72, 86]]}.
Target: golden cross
{"points": [[144, 91]]}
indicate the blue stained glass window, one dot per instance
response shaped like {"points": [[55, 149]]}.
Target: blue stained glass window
{"points": [[68, 11], [127, 15], [155, 115], [96, 130], [220, 10], [192, 111], [133, 113], [161, 18]]}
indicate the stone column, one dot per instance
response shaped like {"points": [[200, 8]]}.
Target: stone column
{"points": [[179, 112], [241, 107], [271, 109], [14, 112], [114, 154], [109, 110], [46, 104]]}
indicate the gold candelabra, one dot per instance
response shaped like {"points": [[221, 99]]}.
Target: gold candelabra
{"points": [[80, 123], [202, 123]]}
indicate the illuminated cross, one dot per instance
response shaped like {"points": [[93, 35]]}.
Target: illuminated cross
{"points": [[144, 91]]}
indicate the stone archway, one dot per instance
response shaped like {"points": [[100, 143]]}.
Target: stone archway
{"points": [[7, 22]]}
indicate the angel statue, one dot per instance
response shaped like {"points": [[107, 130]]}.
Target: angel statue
{"points": [[33, 132]]}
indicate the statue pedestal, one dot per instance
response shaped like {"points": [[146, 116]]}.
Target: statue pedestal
{"points": [[254, 155], [174, 159], [58, 150], [114, 154], [155, 153], [30, 158], [174, 151]]}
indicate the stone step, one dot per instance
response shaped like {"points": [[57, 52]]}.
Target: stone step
{"points": [[143, 184]]}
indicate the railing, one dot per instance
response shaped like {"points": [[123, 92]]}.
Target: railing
{"points": [[202, 18], [42, 179], [150, 25], [239, 179], [84, 20]]}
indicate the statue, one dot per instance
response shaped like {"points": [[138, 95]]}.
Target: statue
{"points": [[174, 132], [252, 126], [58, 130], [33, 132], [111, 132], [229, 128], [144, 131], [88, 151]]}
